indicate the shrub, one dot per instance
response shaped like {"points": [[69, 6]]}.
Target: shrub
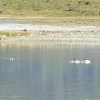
{"points": [[87, 3], [1, 12], [7, 34], [13, 34], [70, 9]]}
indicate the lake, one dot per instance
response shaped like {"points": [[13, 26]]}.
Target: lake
{"points": [[6, 22], [42, 71]]}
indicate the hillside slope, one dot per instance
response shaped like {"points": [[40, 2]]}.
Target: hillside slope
{"points": [[52, 8]]}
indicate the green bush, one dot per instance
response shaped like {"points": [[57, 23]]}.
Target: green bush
{"points": [[1, 12], [87, 3], [7, 34]]}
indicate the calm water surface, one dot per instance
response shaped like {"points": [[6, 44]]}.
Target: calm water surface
{"points": [[42, 71], [11, 22]]}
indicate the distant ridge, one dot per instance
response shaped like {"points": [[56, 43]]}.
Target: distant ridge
{"points": [[52, 8]]}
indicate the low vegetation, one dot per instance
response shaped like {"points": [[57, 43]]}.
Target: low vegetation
{"points": [[13, 34], [50, 8]]}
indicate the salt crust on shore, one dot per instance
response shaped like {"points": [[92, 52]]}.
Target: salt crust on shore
{"points": [[31, 27], [52, 32]]}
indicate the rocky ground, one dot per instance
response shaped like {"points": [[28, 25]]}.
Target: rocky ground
{"points": [[57, 30]]}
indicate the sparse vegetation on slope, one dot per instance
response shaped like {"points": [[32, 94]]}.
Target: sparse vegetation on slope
{"points": [[52, 8]]}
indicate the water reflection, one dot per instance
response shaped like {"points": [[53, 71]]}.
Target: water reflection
{"points": [[45, 73]]}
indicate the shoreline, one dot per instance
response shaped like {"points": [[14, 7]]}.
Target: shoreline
{"points": [[52, 30], [12, 17]]}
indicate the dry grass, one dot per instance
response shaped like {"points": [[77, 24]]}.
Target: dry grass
{"points": [[69, 22], [50, 8]]}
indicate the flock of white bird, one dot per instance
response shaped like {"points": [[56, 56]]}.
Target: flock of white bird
{"points": [[84, 61], [74, 61]]}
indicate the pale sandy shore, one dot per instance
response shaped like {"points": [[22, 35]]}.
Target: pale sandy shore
{"points": [[31, 27], [50, 32]]}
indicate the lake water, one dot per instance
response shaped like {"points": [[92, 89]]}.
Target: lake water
{"points": [[12, 22], [42, 71]]}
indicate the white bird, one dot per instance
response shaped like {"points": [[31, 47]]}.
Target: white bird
{"points": [[86, 61], [11, 59], [75, 61]]}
